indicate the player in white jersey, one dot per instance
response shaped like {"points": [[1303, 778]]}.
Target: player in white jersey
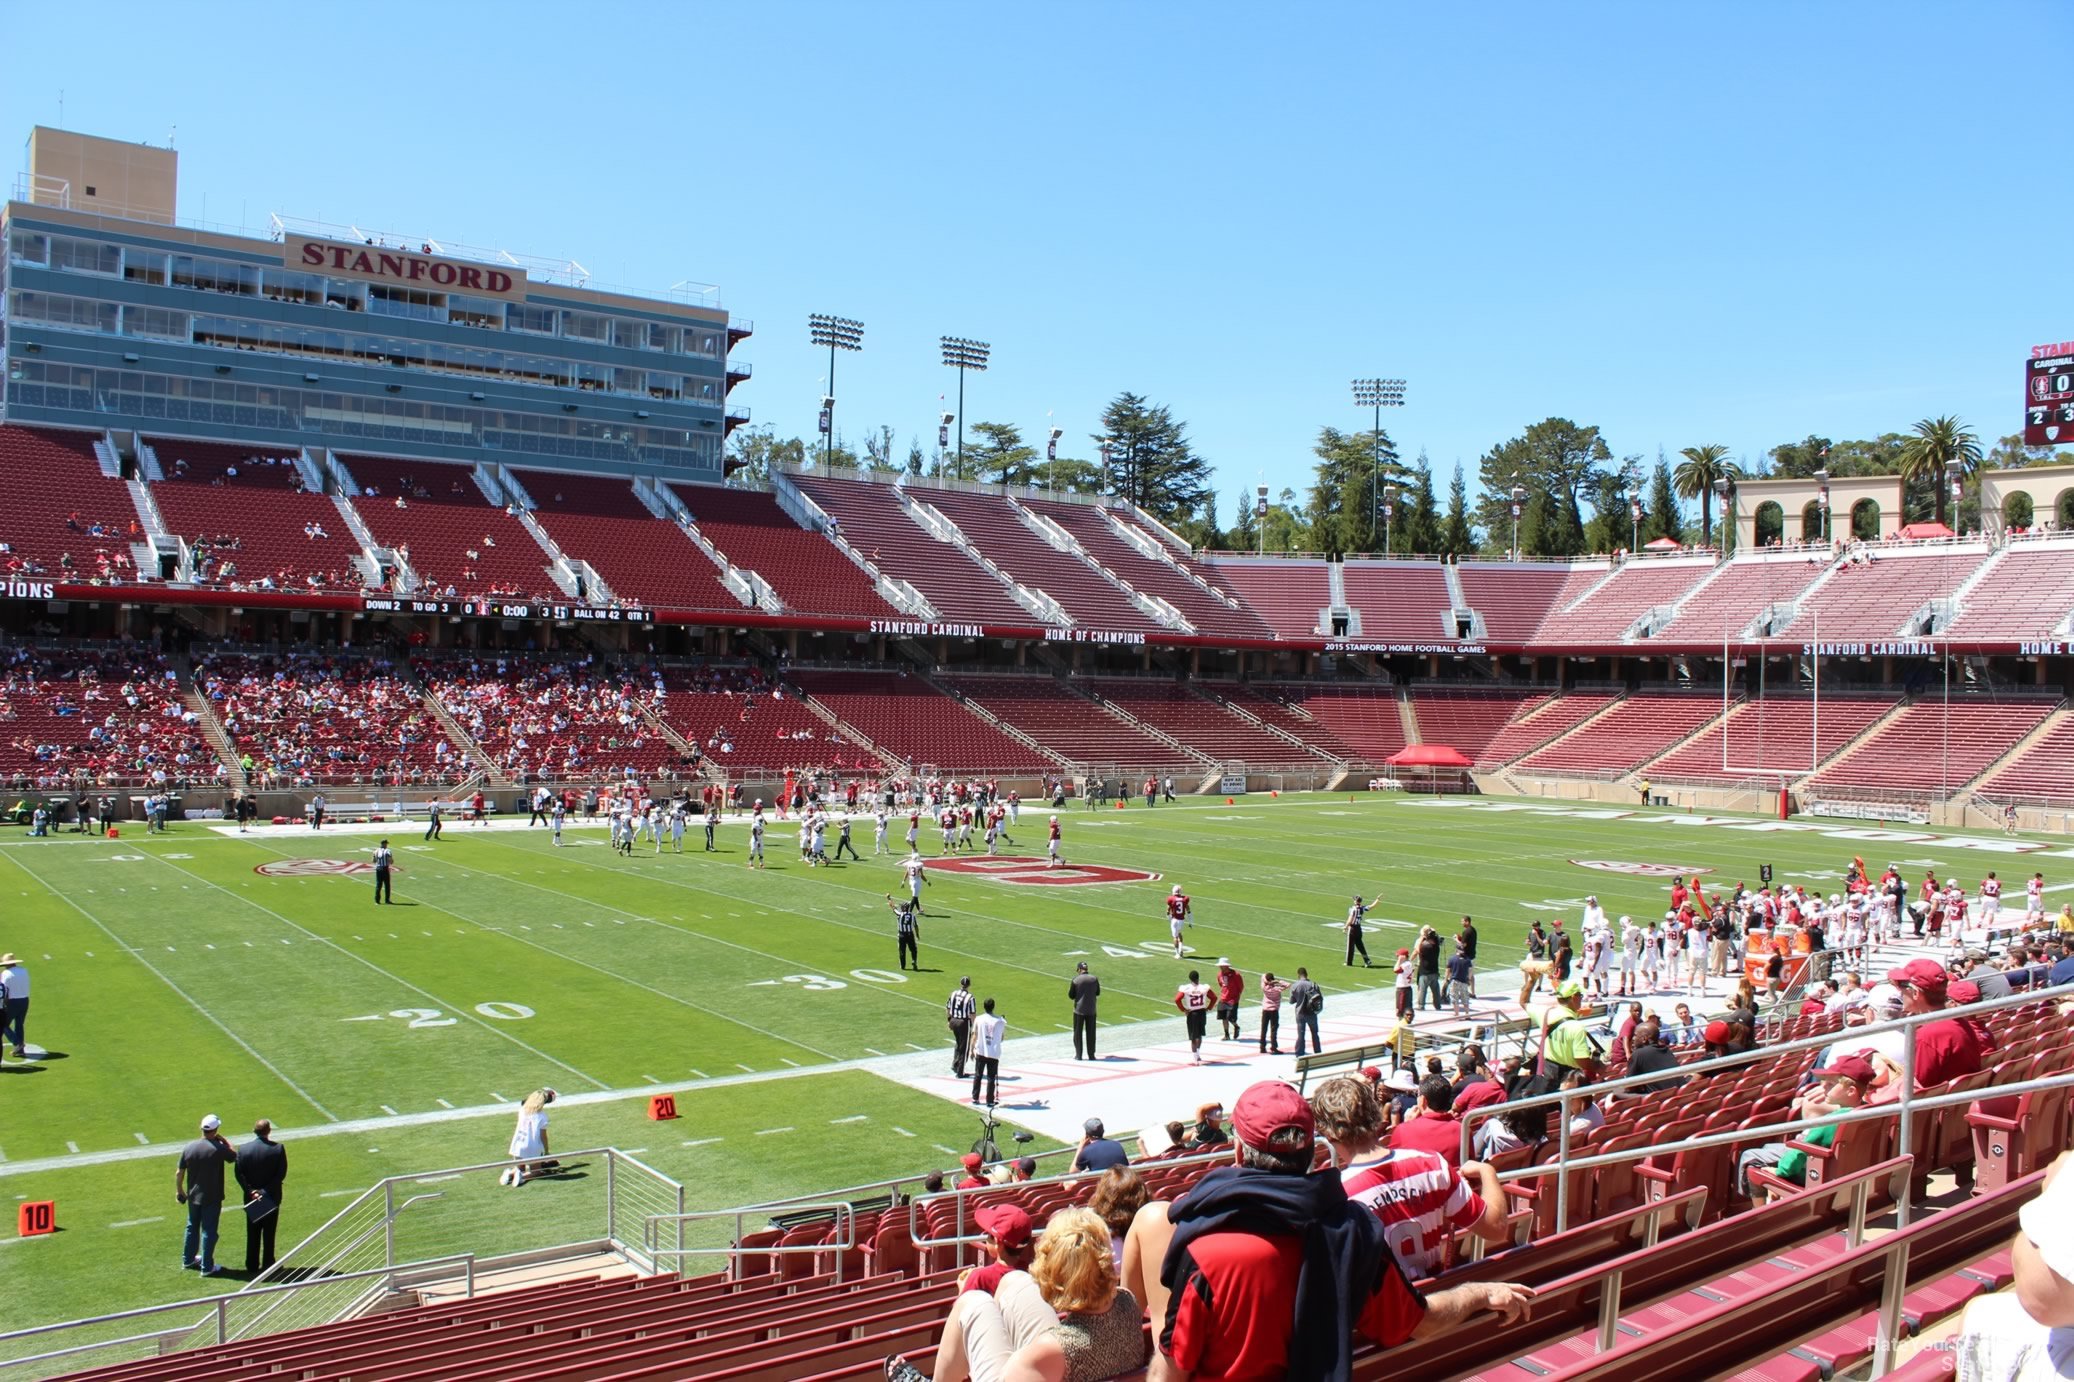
{"points": [[1990, 903], [756, 860], [1854, 933], [993, 836], [555, 820], [639, 823], [1015, 809], [1594, 958], [1652, 961], [878, 832], [917, 871], [677, 816], [2034, 898], [1696, 943], [1630, 954]]}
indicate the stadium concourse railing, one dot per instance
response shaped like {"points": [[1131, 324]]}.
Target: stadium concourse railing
{"points": [[370, 1250], [842, 1206], [1909, 1102]]}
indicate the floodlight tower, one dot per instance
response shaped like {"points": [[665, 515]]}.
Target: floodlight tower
{"points": [[962, 355], [1377, 394], [837, 333]]}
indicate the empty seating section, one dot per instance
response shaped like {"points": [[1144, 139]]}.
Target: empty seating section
{"points": [[552, 718], [1637, 587], [1367, 722], [1202, 725], [2042, 772], [1875, 597], [1292, 596], [98, 717], [454, 539], [1400, 599], [808, 572], [250, 522], [744, 723], [873, 520], [1628, 735], [1281, 715], [909, 718], [1514, 597], [1468, 721], [1777, 734], [313, 718], [993, 527], [1152, 576], [2028, 593], [60, 517], [1926, 748], [1537, 722], [1066, 724], [1725, 605], [644, 559]]}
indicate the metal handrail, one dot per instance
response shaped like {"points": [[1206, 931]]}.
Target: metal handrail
{"points": [[845, 1214], [323, 1272], [1907, 1103], [217, 1305]]}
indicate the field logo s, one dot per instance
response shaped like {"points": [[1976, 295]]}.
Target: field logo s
{"points": [[311, 868], [1033, 871], [1640, 870]]}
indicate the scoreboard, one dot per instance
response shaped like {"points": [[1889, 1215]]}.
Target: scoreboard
{"points": [[2049, 395]]}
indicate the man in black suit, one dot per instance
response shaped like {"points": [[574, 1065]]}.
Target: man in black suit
{"points": [[261, 1167], [1084, 990]]}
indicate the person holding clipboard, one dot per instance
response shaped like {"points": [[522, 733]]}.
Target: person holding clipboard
{"points": [[261, 1168]]}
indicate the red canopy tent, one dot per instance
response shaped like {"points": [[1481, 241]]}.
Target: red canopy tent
{"points": [[1427, 756], [1662, 544], [1922, 530]]}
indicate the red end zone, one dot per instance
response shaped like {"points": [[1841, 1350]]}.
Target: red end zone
{"points": [[1004, 869]]}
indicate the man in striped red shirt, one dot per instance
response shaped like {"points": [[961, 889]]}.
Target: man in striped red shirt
{"points": [[1421, 1199]]}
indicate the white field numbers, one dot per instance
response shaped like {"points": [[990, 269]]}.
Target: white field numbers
{"points": [[434, 1017], [821, 983]]}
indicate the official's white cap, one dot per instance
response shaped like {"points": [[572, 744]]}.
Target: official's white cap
{"points": [[210, 1122]]}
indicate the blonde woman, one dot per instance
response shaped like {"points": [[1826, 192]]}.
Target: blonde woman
{"points": [[529, 1138], [1064, 1320]]}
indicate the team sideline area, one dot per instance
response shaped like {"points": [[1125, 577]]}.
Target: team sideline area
{"points": [[391, 1045]]}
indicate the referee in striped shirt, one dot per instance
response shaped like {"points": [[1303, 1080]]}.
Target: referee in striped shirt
{"points": [[960, 1011]]}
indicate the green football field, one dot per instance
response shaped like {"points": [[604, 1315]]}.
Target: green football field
{"points": [[173, 978]]}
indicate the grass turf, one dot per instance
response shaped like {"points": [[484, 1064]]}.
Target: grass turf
{"points": [[171, 979]]}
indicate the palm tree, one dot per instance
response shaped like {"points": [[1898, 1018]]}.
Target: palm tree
{"points": [[1695, 477], [1937, 442]]}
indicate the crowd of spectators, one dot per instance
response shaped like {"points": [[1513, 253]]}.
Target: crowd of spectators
{"points": [[554, 719], [306, 719], [104, 717]]}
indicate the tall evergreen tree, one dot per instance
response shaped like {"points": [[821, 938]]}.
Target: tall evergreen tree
{"points": [[996, 452], [1555, 457], [1418, 516], [1150, 460], [1662, 515], [1344, 501], [1457, 538]]}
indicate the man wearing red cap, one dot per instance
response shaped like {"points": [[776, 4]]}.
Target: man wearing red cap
{"points": [[1272, 1269], [1009, 1233], [972, 1180], [1945, 1049], [1842, 1084]]}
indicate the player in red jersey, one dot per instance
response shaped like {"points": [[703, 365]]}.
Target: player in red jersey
{"points": [[1178, 916], [1052, 845]]}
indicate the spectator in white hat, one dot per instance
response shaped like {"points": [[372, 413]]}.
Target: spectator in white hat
{"points": [[198, 1184]]}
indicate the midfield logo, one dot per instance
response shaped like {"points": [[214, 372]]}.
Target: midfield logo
{"points": [[1033, 871]]}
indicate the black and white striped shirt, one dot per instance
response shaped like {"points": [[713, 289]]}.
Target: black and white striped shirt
{"points": [[961, 1007]]}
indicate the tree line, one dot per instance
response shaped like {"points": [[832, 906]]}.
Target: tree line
{"points": [[1575, 495]]}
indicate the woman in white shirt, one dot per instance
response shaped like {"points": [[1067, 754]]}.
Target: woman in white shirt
{"points": [[529, 1138]]}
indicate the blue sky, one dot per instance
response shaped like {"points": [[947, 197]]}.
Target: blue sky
{"points": [[1737, 223]]}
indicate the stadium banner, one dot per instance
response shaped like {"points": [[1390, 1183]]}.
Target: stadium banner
{"points": [[1869, 811], [156, 594], [401, 268]]}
